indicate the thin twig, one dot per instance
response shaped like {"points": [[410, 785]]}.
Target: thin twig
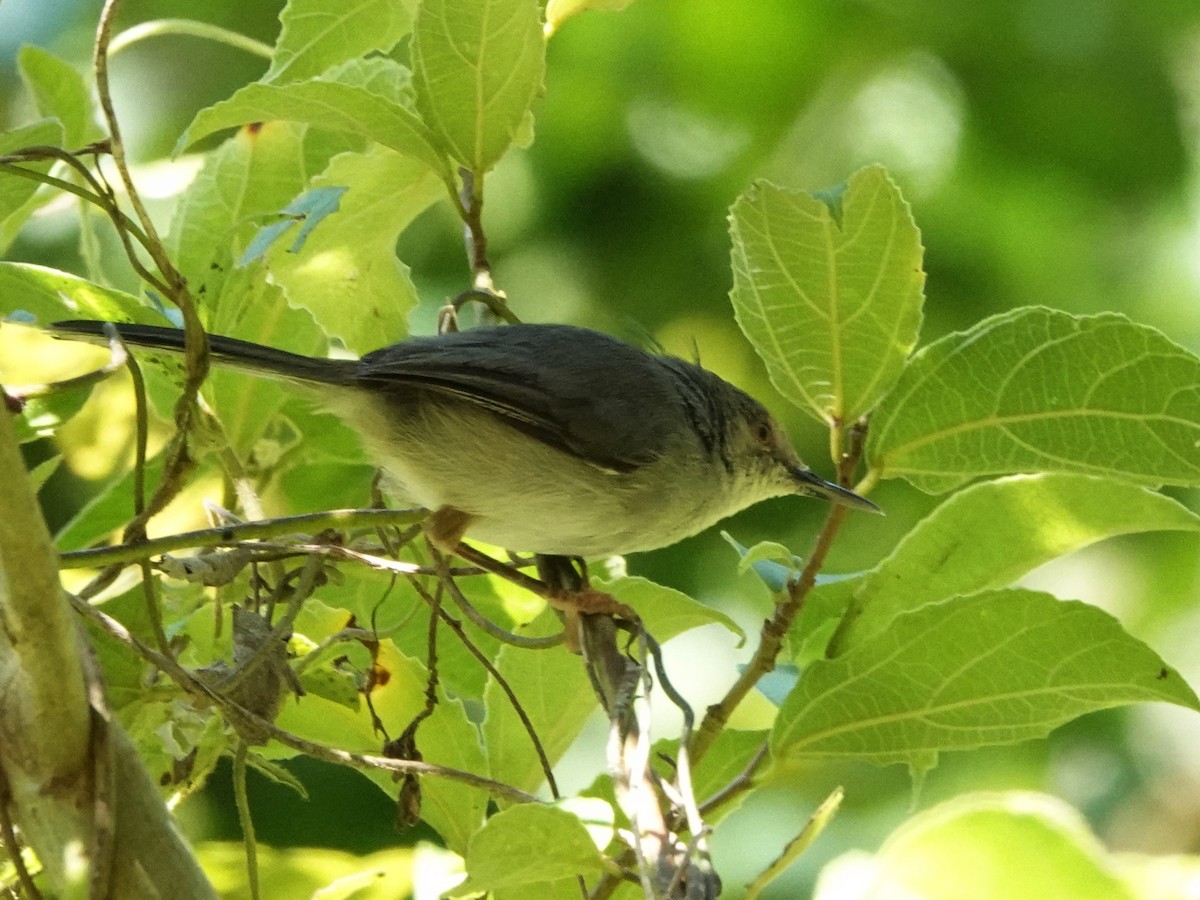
{"points": [[225, 535], [244, 817], [491, 628], [470, 207], [178, 457], [741, 783], [771, 638], [502, 683], [775, 629], [242, 720]]}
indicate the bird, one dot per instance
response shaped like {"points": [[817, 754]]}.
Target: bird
{"points": [[548, 439]]}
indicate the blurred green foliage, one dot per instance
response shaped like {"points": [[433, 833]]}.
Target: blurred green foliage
{"points": [[1050, 154]]}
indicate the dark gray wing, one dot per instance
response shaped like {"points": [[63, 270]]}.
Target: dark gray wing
{"points": [[581, 391]]}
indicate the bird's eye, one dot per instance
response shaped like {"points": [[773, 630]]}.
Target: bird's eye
{"points": [[764, 435]]}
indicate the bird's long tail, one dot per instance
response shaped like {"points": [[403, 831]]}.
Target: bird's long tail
{"points": [[231, 351]]}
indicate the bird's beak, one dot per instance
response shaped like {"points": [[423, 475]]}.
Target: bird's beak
{"points": [[808, 482]]}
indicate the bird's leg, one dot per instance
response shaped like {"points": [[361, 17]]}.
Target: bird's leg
{"points": [[446, 527]]}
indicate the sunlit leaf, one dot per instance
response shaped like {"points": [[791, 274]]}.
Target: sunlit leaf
{"points": [[324, 104], [477, 66], [347, 274], [50, 296], [59, 92], [1040, 390], [446, 738], [666, 612], [829, 289], [304, 214], [16, 191], [317, 34]]}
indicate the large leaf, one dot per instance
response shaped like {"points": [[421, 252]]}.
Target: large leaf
{"points": [[16, 192], [59, 92], [973, 840], [251, 176], [477, 66], [990, 534], [828, 289], [993, 668], [347, 274], [529, 844], [49, 295], [1040, 390], [315, 35], [445, 738], [324, 104], [664, 611], [553, 689]]}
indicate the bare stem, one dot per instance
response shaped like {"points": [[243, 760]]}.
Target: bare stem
{"points": [[775, 629], [223, 535]]}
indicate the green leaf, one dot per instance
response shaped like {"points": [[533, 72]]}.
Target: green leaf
{"points": [[59, 92], [17, 192], [42, 415], [347, 274], [323, 104], [665, 612], [726, 760], [993, 668], [249, 177], [829, 297], [253, 175], [446, 738], [527, 844], [253, 309], [1039, 390], [991, 534], [453, 809], [312, 872], [318, 34], [477, 66], [773, 563], [108, 511], [974, 840], [379, 75], [553, 688], [50, 296]]}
